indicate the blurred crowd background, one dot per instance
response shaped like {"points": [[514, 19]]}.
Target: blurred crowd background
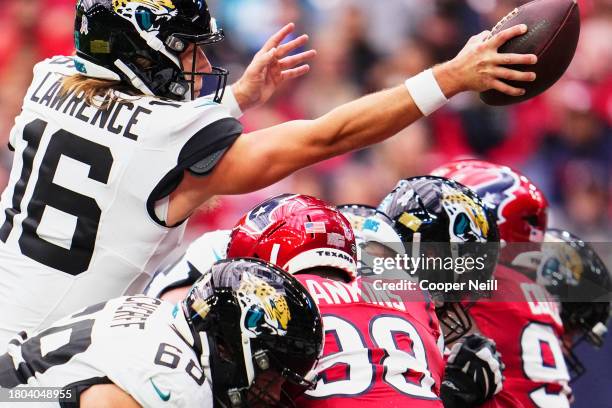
{"points": [[562, 139]]}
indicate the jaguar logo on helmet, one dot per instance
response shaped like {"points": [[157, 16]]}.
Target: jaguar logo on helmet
{"points": [[468, 221], [144, 13], [560, 260], [160, 6], [263, 307], [518, 205]]}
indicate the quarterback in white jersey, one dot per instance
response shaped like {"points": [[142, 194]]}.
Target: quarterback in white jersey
{"points": [[163, 355], [82, 219], [76, 175]]}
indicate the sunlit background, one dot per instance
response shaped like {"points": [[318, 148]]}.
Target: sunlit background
{"points": [[562, 140]]}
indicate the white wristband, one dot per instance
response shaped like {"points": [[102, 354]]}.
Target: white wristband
{"points": [[426, 92], [229, 101]]}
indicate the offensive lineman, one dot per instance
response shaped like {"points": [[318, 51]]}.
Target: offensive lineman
{"points": [[242, 331], [113, 153]]}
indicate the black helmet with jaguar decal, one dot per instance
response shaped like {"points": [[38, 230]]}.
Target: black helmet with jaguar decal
{"points": [[139, 43], [572, 271], [251, 319], [444, 222]]}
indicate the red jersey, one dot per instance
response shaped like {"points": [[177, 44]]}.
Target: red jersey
{"points": [[380, 350], [525, 324]]}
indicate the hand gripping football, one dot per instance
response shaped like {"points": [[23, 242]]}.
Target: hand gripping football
{"points": [[553, 31]]}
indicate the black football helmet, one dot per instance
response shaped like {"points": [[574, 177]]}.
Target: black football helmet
{"points": [[250, 319], [440, 218], [140, 42], [573, 273]]}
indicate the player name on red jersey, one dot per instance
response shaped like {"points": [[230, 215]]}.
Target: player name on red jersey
{"points": [[338, 293]]}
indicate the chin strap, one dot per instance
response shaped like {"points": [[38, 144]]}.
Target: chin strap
{"points": [[134, 80], [248, 358]]}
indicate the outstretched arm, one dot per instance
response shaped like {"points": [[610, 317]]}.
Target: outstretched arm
{"points": [[266, 156]]}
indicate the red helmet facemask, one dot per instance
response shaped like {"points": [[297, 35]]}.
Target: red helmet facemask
{"points": [[296, 232], [519, 206]]}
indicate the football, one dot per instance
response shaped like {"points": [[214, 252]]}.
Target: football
{"points": [[553, 31]]}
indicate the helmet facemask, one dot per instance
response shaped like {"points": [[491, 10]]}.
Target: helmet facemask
{"points": [[574, 274], [247, 373], [582, 321], [276, 385], [215, 80], [454, 320]]}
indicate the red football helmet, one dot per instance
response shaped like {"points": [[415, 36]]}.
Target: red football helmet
{"points": [[296, 232], [519, 206]]}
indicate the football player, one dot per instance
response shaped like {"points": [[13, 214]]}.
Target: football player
{"points": [[382, 347], [113, 152], [244, 329], [521, 316], [66, 227], [575, 275], [440, 218]]}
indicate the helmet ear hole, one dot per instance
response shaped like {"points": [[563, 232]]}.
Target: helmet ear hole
{"points": [[531, 219]]}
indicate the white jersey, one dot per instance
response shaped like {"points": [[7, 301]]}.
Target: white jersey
{"points": [[138, 343], [199, 257], [77, 219]]}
